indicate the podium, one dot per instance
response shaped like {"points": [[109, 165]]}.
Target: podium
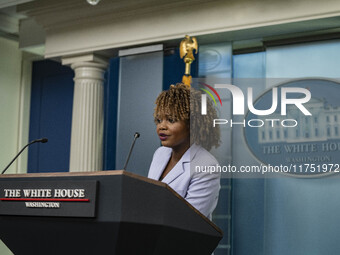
{"points": [[107, 212]]}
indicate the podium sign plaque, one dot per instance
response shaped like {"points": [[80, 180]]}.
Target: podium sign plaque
{"points": [[48, 198]]}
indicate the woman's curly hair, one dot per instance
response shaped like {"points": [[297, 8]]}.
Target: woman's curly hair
{"points": [[184, 103]]}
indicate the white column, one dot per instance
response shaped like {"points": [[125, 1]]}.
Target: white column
{"points": [[87, 116]]}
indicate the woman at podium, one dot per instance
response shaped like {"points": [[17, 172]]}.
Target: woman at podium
{"points": [[186, 137]]}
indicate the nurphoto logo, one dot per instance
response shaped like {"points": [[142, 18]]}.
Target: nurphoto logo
{"points": [[288, 96]]}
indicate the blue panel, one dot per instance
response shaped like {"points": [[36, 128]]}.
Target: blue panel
{"points": [[51, 116], [215, 60], [140, 83], [111, 113], [317, 59], [215, 63], [248, 216], [250, 65], [247, 194], [302, 215], [173, 68]]}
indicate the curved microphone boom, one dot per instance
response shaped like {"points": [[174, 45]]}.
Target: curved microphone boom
{"points": [[136, 135], [41, 140]]}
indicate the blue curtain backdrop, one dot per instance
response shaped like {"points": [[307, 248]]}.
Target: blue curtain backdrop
{"points": [[50, 116], [110, 112]]}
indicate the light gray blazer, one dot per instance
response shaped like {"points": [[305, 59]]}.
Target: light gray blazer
{"points": [[200, 189]]}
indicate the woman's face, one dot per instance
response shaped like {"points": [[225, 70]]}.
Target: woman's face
{"points": [[173, 133]]}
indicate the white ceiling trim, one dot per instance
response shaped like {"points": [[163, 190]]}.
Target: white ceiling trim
{"points": [[8, 3]]}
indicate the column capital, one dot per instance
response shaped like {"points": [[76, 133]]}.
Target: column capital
{"points": [[88, 70], [101, 66], [90, 60]]}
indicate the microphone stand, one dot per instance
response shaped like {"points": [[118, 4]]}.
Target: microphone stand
{"points": [[133, 143], [42, 140]]}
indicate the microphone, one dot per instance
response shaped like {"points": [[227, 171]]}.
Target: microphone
{"points": [[133, 143], [41, 140]]}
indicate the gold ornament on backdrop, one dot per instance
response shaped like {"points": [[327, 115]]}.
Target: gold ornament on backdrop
{"points": [[186, 48]]}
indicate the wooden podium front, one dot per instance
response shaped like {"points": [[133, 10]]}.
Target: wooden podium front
{"points": [[108, 212]]}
